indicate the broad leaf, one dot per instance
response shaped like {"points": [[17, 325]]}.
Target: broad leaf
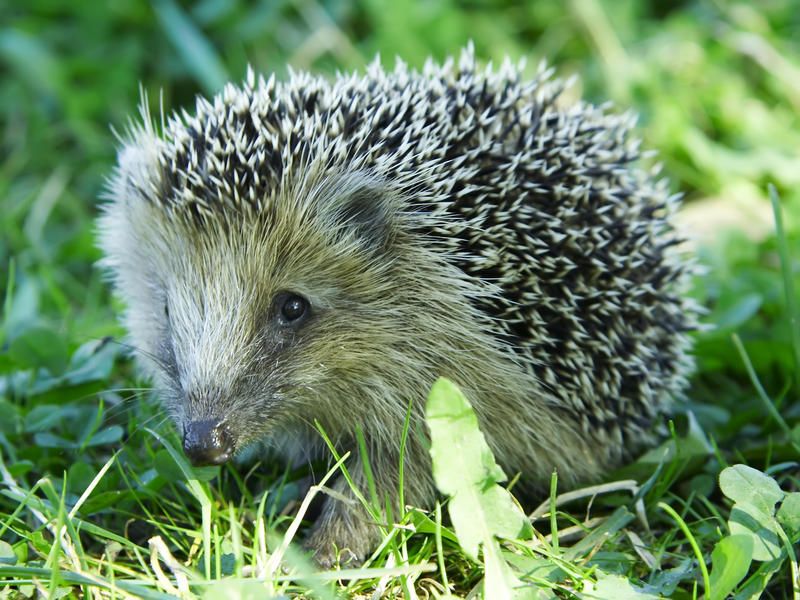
{"points": [[751, 521], [741, 483], [7, 554], [730, 562], [464, 469], [39, 347], [615, 587], [109, 435], [789, 515]]}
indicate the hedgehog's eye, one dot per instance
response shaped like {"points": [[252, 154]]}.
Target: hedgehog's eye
{"points": [[293, 308]]}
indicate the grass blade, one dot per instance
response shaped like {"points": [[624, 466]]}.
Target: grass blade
{"points": [[762, 393], [786, 271], [692, 542]]}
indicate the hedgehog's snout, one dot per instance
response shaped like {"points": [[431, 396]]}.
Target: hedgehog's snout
{"points": [[207, 442]]}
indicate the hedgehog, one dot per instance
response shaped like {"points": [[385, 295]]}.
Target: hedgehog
{"points": [[316, 252]]}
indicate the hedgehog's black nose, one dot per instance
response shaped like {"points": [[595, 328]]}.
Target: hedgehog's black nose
{"points": [[207, 443]]}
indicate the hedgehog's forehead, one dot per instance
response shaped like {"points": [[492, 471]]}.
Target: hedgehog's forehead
{"points": [[228, 230], [334, 218], [320, 198], [234, 263]]}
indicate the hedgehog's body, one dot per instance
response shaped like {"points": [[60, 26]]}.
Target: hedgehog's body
{"points": [[318, 250]]}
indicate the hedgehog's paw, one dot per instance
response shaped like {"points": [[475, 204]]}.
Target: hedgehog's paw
{"points": [[342, 536]]}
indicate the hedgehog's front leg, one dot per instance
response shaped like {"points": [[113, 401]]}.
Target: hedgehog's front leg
{"points": [[346, 529]]}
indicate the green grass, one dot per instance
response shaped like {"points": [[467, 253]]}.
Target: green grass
{"points": [[96, 501]]}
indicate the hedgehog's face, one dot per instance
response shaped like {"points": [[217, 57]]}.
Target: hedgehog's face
{"points": [[251, 324]]}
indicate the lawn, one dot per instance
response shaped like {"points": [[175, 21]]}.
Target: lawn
{"points": [[96, 498]]}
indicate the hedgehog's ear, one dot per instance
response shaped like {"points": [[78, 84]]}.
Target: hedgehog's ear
{"points": [[367, 208]]}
